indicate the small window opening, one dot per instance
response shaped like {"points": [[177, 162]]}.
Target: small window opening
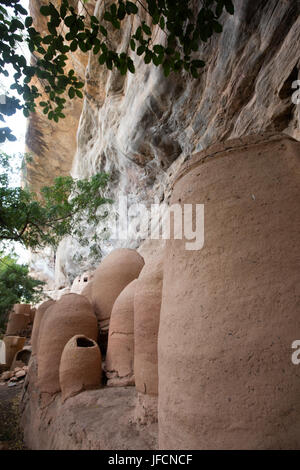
{"points": [[84, 343]]}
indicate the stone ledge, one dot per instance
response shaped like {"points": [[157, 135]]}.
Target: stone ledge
{"points": [[103, 419]]}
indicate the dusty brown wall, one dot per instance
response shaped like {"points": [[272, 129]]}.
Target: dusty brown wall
{"points": [[229, 310]]}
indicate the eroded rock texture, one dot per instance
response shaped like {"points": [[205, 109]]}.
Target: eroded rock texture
{"points": [[139, 128], [136, 127]]}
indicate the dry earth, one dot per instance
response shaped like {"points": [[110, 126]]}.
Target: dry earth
{"points": [[11, 436]]}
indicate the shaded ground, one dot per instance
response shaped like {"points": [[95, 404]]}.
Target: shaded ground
{"points": [[11, 436]]}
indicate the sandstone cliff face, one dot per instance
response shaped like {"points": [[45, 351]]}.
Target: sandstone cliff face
{"points": [[141, 128], [52, 145]]}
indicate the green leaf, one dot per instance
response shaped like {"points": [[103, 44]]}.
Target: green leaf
{"points": [[16, 24], [147, 58], [48, 39], [69, 20], [73, 45], [79, 85], [158, 49], [194, 72], [82, 46], [109, 63], [21, 10], [116, 23], [130, 65], [113, 9], [102, 59], [123, 68], [103, 30], [97, 48], [132, 44], [107, 16], [138, 33], [157, 60], [121, 11], [63, 11], [140, 50], [52, 28], [146, 29], [45, 10], [28, 21], [167, 69], [71, 93], [131, 8], [156, 17], [11, 137]]}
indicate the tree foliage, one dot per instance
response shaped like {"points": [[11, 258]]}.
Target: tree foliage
{"points": [[183, 31], [65, 208], [16, 286]]}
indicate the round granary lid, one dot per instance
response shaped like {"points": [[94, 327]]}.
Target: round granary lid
{"points": [[217, 150]]}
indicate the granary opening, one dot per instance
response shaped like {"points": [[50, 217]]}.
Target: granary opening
{"points": [[83, 342]]}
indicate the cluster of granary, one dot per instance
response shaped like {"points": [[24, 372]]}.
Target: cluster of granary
{"points": [[15, 350], [71, 336], [84, 340], [80, 336], [207, 331], [106, 335]]}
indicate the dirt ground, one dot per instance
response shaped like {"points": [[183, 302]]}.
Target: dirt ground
{"points": [[11, 437]]}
